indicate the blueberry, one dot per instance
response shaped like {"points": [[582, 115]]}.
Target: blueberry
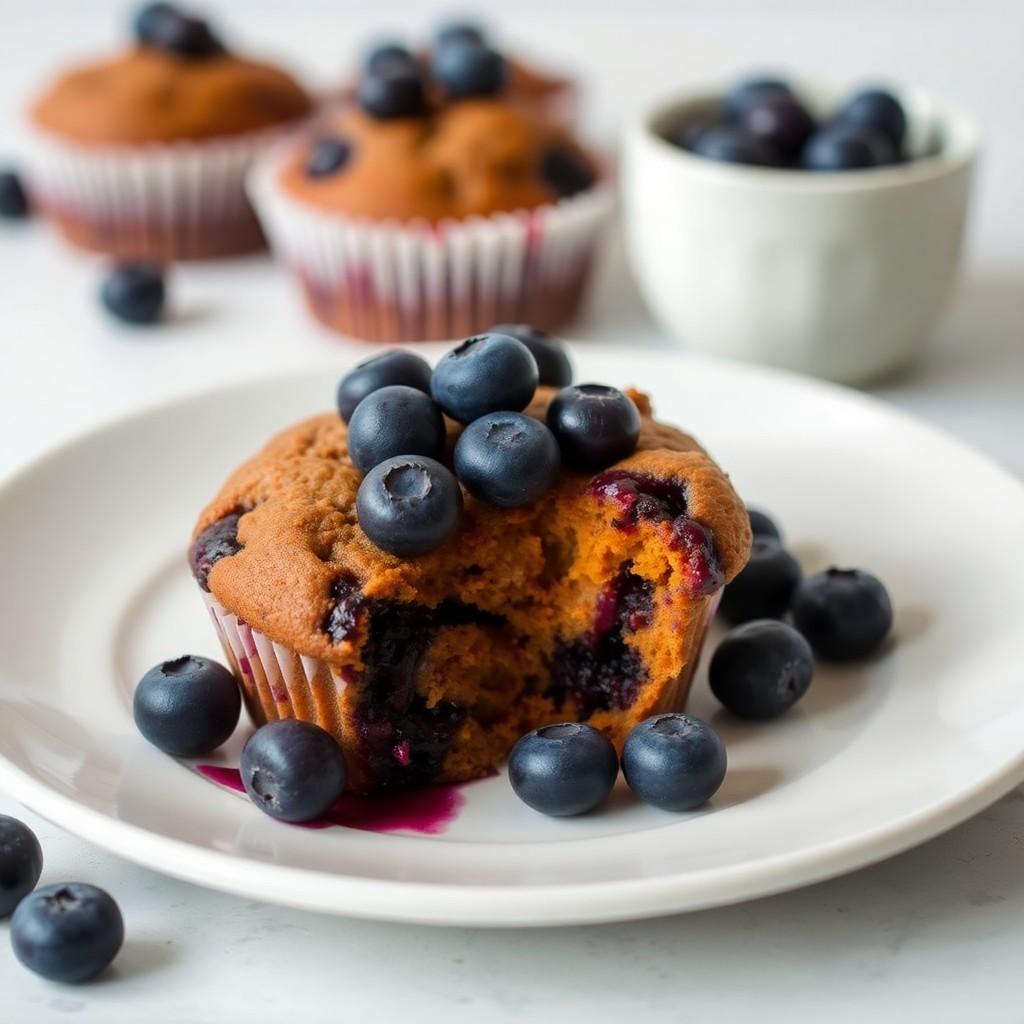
{"points": [[843, 147], [879, 110], [14, 204], [395, 420], [507, 459], [844, 613], [384, 56], [733, 145], [21, 863], [675, 762], [68, 932], [394, 92], [187, 707], [762, 524], [761, 669], [135, 293], [686, 135], [565, 171], [750, 92], [459, 32], [293, 770], [553, 366], [146, 23], [468, 69], [594, 425], [396, 366], [167, 28], [782, 123], [765, 586], [563, 770], [486, 373], [409, 505], [328, 156]]}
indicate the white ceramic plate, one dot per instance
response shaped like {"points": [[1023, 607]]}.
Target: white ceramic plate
{"points": [[875, 759]]}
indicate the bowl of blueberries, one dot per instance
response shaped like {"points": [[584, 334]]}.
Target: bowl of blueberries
{"points": [[807, 228]]}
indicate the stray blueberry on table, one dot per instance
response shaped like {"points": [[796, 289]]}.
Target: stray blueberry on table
{"points": [[675, 762], [187, 707], [765, 586], [466, 70], [563, 770], [328, 156], [394, 92], [844, 613], [135, 293], [396, 366], [14, 204], [395, 420], [594, 425], [486, 373], [553, 366], [293, 770], [761, 669], [21, 863], [68, 932]]}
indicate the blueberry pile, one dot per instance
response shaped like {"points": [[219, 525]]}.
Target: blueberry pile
{"points": [[166, 27], [410, 498], [763, 123]]}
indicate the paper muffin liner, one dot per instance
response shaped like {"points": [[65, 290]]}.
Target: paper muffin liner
{"points": [[417, 281], [153, 201]]}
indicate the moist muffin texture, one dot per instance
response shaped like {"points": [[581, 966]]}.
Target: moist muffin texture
{"points": [[590, 604]]}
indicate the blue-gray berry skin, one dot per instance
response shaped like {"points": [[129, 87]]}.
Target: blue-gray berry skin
{"points": [[732, 144], [750, 92], [14, 201], [594, 425], [847, 147], [409, 505], [675, 762], [68, 932], [563, 770], [877, 109], [395, 420], [466, 70], [134, 293], [761, 669], [762, 524], [396, 366], [396, 91], [554, 367], [485, 373], [764, 588], [21, 863]]}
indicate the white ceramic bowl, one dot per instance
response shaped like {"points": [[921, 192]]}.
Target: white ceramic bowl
{"points": [[840, 275]]}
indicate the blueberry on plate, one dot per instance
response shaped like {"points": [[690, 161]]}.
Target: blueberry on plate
{"points": [[21, 863], [565, 171], [731, 144], [328, 156], [409, 505], [187, 707], [468, 69], [386, 55], [14, 204], [877, 109], [486, 373], [507, 459], [459, 32], [762, 524], [554, 369], [781, 123], [675, 762], [396, 366], [594, 425], [135, 293], [765, 586], [846, 147], [68, 932], [761, 669], [750, 92], [563, 770], [844, 613], [394, 92], [293, 770], [395, 420]]}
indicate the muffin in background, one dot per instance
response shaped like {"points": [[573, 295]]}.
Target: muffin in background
{"points": [[143, 155]]}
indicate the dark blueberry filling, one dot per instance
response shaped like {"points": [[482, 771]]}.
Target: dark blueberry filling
{"points": [[217, 541], [695, 540], [600, 670], [346, 609]]}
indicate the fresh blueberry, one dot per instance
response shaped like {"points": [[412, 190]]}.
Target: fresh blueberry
{"points": [[761, 669], [685, 135], [846, 147], [167, 28], [187, 707], [135, 293], [459, 32], [468, 69], [594, 425], [68, 932], [879, 110], [553, 366], [675, 762], [383, 56], [563, 770], [394, 92], [749, 93], [21, 863], [293, 770], [565, 171], [733, 145], [765, 586], [396, 366], [146, 23], [395, 420], [486, 373], [762, 525], [328, 156], [507, 459], [783, 124], [844, 613], [409, 505], [14, 204]]}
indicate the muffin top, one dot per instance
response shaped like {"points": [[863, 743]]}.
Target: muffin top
{"points": [[178, 83]]}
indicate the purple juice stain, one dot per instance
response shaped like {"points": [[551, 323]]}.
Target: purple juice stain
{"points": [[428, 811]]}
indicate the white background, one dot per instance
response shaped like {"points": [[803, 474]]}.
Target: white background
{"points": [[935, 933]]}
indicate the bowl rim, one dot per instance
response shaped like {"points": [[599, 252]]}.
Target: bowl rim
{"points": [[955, 121]]}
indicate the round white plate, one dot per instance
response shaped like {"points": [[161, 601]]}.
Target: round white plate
{"points": [[876, 758]]}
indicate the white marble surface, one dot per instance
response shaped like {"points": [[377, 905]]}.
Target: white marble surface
{"points": [[933, 934]]}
